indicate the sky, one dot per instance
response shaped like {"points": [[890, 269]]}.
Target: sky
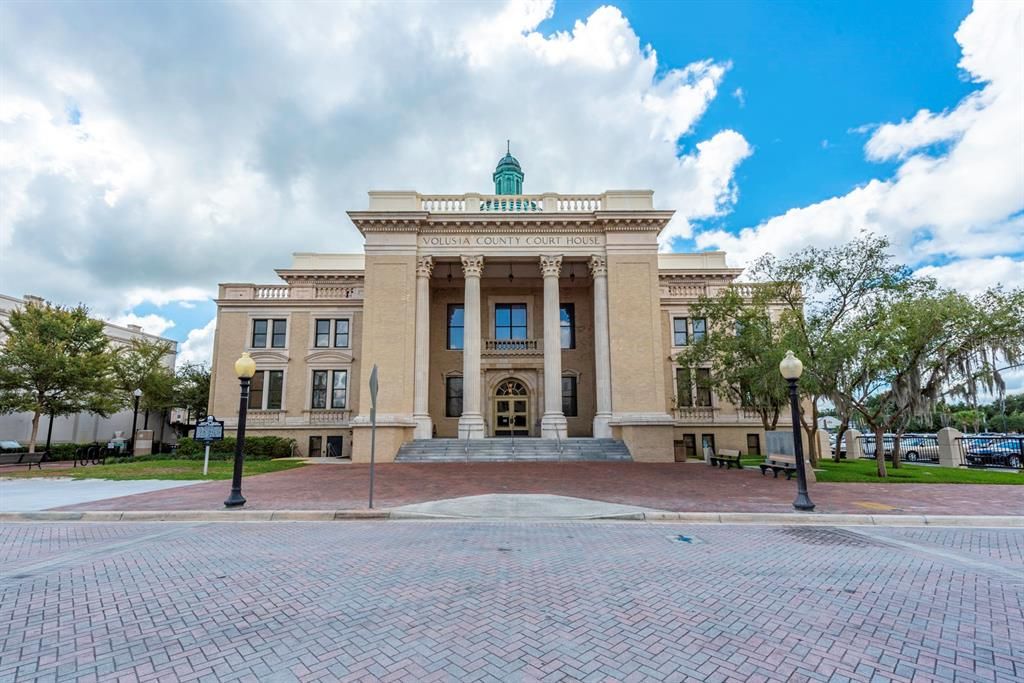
{"points": [[149, 151]]}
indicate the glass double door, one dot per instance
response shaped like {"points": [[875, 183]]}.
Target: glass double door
{"points": [[511, 410]]}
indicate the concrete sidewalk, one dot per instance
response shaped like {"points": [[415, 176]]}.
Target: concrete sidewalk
{"points": [[27, 495]]}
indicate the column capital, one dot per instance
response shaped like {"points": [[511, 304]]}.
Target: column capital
{"points": [[424, 266], [598, 265], [551, 265], [472, 266]]}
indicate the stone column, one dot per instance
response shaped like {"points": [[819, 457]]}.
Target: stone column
{"points": [[421, 414], [854, 451], [602, 356], [471, 424], [552, 424]]}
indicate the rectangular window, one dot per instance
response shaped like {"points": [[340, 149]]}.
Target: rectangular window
{"points": [[453, 397], [339, 389], [319, 398], [256, 391], [315, 447], [341, 334], [569, 402], [679, 337], [510, 321], [567, 321], [753, 444], [456, 323], [278, 337], [275, 389], [323, 334], [259, 334], [700, 329], [684, 390], [704, 387]]}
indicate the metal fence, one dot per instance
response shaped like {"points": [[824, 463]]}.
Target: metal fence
{"points": [[913, 447], [991, 451]]}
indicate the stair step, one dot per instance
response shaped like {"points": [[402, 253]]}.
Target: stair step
{"points": [[514, 450]]}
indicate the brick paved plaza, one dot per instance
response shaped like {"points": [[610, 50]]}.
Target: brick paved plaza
{"points": [[679, 487], [508, 601]]}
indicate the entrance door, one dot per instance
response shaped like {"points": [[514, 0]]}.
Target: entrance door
{"points": [[334, 446], [511, 409]]}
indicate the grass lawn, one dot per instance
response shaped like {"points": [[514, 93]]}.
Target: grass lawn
{"points": [[155, 469], [865, 471]]}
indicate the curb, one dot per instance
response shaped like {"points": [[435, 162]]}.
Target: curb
{"points": [[753, 518]]}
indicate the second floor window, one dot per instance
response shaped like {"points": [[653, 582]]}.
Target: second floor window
{"points": [[700, 329], [338, 389], [456, 323], [567, 322], [679, 335], [684, 390], [323, 333], [510, 321], [278, 333], [267, 390]]}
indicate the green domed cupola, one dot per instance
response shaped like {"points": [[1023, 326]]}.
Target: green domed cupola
{"points": [[508, 176]]}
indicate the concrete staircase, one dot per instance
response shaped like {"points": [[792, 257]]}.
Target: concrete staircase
{"points": [[520, 449]]}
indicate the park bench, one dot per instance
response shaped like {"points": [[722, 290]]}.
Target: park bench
{"points": [[779, 463], [23, 458], [727, 457]]}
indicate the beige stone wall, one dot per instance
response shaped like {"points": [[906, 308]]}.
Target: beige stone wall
{"points": [[638, 366]]}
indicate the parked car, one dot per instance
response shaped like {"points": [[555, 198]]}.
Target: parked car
{"points": [[914, 448], [11, 446], [993, 451]]}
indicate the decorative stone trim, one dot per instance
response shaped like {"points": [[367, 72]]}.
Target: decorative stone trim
{"points": [[551, 265], [424, 266], [598, 265], [472, 266]]}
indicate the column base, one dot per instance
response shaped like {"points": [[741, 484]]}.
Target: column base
{"points": [[471, 426], [424, 427], [554, 426], [602, 428]]}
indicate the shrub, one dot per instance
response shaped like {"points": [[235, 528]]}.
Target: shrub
{"points": [[256, 448]]}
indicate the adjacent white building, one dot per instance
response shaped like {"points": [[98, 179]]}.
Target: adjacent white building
{"points": [[84, 427]]}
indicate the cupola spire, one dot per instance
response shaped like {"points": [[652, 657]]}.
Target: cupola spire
{"points": [[508, 176]]}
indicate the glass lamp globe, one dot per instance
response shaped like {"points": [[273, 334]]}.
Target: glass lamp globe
{"points": [[791, 367], [245, 367]]}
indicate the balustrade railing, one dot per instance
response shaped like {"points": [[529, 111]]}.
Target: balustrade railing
{"points": [[520, 347], [695, 413], [525, 203], [272, 292], [329, 416]]}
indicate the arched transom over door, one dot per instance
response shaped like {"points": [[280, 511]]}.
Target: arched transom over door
{"points": [[511, 409]]}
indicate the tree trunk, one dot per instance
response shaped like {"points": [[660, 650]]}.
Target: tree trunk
{"points": [[880, 450], [815, 446], [35, 432], [896, 450], [844, 426]]}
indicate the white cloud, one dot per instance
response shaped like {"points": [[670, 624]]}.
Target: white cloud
{"points": [[975, 275], [959, 190], [214, 139], [152, 323], [740, 97], [198, 348]]}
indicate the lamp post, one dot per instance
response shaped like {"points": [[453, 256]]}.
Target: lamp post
{"points": [[135, 417], [791, 369], [245, 368]]}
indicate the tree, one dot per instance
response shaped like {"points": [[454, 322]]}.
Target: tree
{"points": [[55, 361], [968, 419], [929, 343], [192, 389], [142, 364], [743, 348], [822, 291]]}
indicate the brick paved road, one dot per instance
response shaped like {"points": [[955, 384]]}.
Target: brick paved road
{"points": [[508, 601], [670, 486]]}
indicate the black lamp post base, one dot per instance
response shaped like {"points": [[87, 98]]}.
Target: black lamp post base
{"points": [[804, 503], [235, 500]]}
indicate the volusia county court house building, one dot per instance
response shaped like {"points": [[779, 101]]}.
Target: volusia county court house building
{"points": [[507, 315]]}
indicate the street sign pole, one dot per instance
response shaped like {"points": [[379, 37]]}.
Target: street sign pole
{"points": [[209, 430], [206, 459], [373, 426]]}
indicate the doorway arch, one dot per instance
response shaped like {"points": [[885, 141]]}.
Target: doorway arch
{"points": [[511, 408]]}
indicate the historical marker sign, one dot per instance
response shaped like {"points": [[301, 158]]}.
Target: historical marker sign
{"points": [[211, 429]]}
